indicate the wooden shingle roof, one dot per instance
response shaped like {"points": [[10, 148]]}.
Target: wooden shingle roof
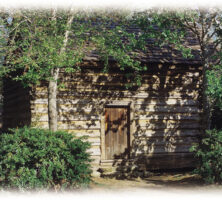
{"points": [[163, 54]]}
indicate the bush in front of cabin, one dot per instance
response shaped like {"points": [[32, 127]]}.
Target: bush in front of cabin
{"points": [[41, 159], [209, 154]]}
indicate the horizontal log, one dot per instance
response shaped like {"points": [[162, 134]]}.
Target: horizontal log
{"points": [[144, 125], [95, 141], [84, 132], [108, 94], [97, 110], [149, 88], [165, 141], [166, 154], [169, 132], [173, 73], [161, 149], [73, 125], [151, 68], [95, 79], [154, 115], [123, 92], [167, 109], [95, 151], [164, 121], [168, 82], [110, 97], [156, 67], [117, 84], [43, 117], [118, 94], [149, 79], [168, 116], [124, 101], [137, 106], [91, 136], [70, 117], [67, 111]]}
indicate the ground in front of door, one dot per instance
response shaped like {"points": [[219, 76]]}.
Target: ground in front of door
{"points": [[154, 181]]}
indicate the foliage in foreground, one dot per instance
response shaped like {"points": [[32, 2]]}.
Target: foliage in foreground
{"points": [[214, 90], [41, 159], [209, 153]]}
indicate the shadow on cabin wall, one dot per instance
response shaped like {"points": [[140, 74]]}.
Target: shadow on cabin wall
{"points": [[166, 121], [16, 105], [216, 119], [164, 131]]}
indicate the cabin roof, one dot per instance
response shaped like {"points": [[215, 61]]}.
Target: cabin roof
{"points": [[163, 54]]}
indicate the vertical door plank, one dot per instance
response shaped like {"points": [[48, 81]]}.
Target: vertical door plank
{"points": [[106, 134], [116, 132]]}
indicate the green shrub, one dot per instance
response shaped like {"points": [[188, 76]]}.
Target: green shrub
{"points": [[41, 159], [209, 153]]}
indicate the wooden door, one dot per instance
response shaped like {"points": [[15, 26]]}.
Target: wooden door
{"points": [[116, 132]]}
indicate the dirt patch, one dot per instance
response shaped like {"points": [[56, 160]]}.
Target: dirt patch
{"points": [[157, 180]]}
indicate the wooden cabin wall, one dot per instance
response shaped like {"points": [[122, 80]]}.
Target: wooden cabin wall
{"points": [[16, 104], [165, 112]]}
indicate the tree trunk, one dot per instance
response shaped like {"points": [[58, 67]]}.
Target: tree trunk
{"points": [[52, 86], [52, 100]]}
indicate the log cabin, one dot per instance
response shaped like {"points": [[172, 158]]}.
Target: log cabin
{"points": [[146, 127]]}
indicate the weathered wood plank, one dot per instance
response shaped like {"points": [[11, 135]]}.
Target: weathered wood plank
{"points": [[117, 84], [108, 94], [73, 125], [123, 101], [153, 149], [43, 117], [70, 117], [95, 151], [84, 132], [146, 112], [166, 141], [168, 109], [137, 106], [119, 95], [151, 67], [95, 141], [155, 87], [144, 124], [150, 79], [116, 131], [169, 132], [171, 73], [169, 116], [160, 92]]}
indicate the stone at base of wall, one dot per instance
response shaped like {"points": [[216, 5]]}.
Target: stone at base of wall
{"points": [[95, 172]]}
